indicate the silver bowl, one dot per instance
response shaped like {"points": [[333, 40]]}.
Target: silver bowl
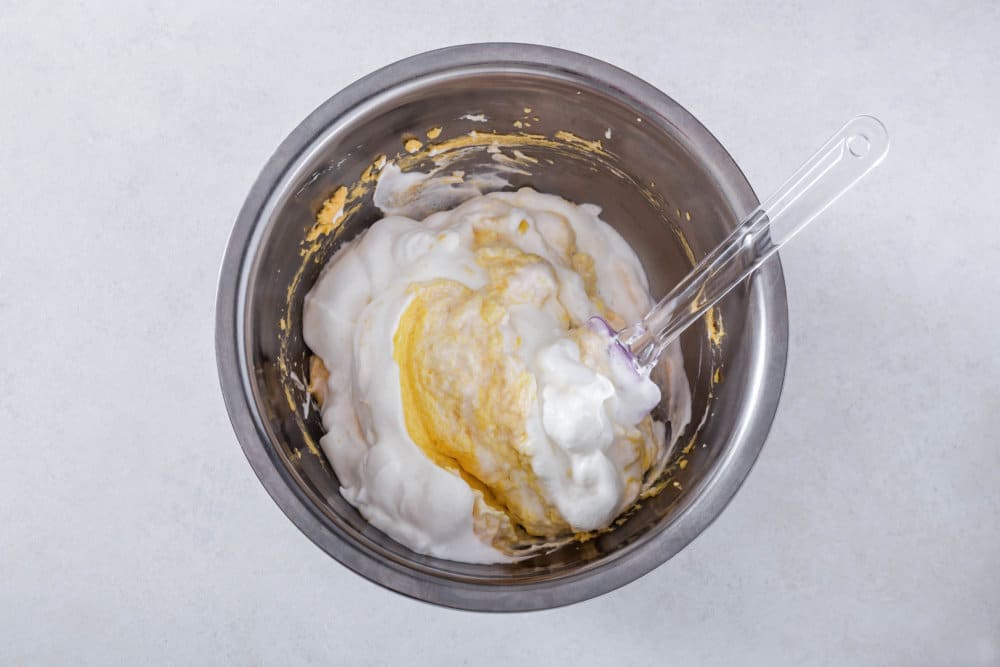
{"points": [[662, 180]]}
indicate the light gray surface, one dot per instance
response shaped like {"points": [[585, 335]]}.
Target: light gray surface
{"points": [[131, 527]]}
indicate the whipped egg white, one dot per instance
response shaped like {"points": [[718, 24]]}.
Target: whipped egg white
{"points": [[469, 411]]}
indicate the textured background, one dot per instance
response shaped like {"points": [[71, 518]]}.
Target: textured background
{"points": [[132, 530]]}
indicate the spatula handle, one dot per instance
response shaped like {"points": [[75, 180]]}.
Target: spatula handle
{"points": [[842, 161]]}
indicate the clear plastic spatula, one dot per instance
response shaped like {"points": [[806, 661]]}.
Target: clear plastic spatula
{"points": [[850, 154]]}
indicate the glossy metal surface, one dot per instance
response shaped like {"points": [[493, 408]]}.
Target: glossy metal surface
{"points": [[657, 142]]}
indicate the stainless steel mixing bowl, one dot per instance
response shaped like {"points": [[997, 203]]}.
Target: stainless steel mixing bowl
{"points": [[667, 185]]}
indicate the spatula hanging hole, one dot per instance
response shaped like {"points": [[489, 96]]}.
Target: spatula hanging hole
{"points": [[859, 145]]}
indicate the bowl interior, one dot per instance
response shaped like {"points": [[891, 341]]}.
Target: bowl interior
{"points": [[661, 194]]}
